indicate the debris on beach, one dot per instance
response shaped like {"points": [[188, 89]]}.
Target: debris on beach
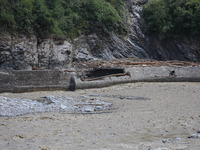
{"points": [[82, 104], [126, 63], [194, 136], [171, 140], [120, 97], [198, 131]]}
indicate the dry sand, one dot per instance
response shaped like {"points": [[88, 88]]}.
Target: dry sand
{"points": [[165, 121]]}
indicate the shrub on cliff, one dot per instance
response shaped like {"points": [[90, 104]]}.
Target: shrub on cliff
{"points": [[64, 18], [172, 17], [7, 21]]}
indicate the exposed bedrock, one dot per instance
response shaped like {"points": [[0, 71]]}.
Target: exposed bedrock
{"points": [[25, 53], [22, 53]]}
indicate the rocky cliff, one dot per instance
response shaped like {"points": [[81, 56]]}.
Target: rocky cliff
{"points": [[23, 53]]}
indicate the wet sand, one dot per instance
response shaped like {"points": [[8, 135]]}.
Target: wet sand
{"points": [[171, 114]]}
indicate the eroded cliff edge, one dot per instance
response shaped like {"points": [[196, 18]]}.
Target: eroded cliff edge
{"points": [[22, 53]]}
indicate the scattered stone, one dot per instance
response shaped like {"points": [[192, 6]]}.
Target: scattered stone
{"points": [[120, 97], [92, 105], [44, 100], [198, 131], [171, 140], [98, 108], [44, 148], [18, 137], [82, 104], [88, 109], [63, 106], [161, 148], [194, 136], [178, 139], [164, 141], [158, 149]]}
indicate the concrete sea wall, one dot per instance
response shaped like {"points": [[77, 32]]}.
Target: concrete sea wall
{"points": [[48, 80], [147, 74], [27, 81]]}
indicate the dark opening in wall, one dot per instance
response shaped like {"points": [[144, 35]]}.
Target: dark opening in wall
{"points": [[99, 72]]}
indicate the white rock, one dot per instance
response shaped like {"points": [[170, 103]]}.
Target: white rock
{"points": [[161, 149], [63, 106], [88, 109]]}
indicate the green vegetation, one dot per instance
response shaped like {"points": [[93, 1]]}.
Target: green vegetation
{"points": [[61, 18], [172, 17]]}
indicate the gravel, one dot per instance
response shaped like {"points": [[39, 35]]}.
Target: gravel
{"points": [[82, 104]]}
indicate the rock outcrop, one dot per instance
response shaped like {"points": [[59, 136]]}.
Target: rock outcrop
{"points": [[137, 43], [23, 53]]}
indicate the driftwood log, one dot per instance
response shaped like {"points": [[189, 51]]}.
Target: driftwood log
{"points": [[112, 75]]}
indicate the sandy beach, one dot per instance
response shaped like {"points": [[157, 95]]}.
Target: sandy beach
{"points": [[163, 121]]}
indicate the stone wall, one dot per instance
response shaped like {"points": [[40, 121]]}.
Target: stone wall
{"points": [[26, 81]]}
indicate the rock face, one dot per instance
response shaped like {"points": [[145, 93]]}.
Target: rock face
{"points": [[23, 53], [188, 50], [17, 53], [54, 54], [136, 44]]}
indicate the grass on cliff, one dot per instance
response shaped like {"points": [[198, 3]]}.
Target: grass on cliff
{"points": [[61, 18], [167, 18]]}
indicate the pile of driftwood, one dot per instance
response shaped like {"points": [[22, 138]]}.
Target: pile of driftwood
{"points": [[105, 76], [129, 63]]}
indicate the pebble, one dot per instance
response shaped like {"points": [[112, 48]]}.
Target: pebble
{"points": [[120, 97], [98, 108], [161, 148], [17, 106], [171, 140], [194, 136], [63, 106], [198, 131], [164, 141], [178, 139], [44, 148], [88, 109]]}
